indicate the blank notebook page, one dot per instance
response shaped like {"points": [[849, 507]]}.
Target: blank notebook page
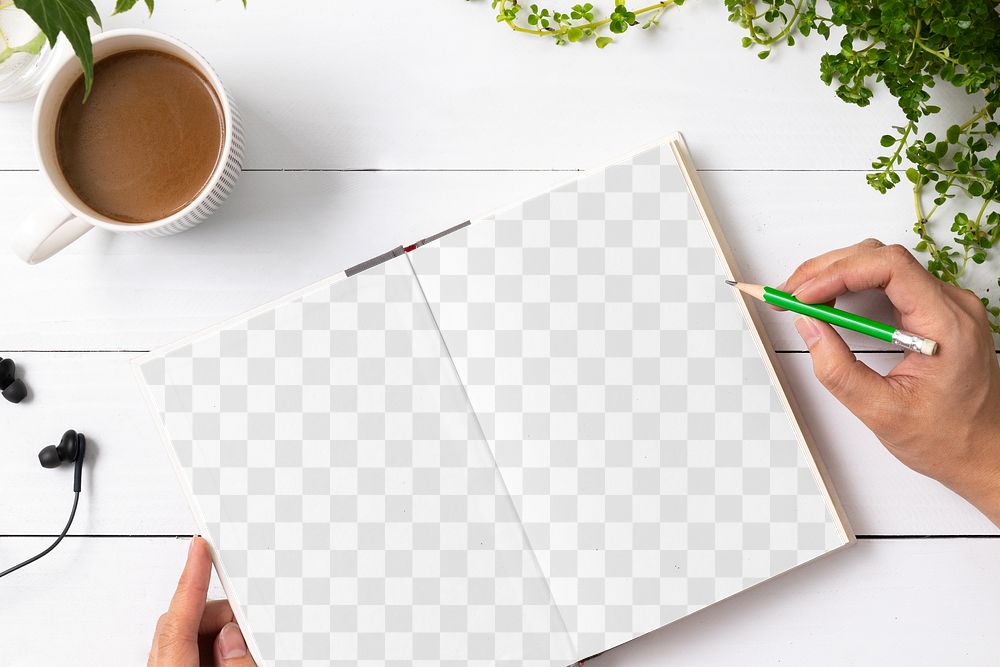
{"points": [[627, 406], [356, 510]]}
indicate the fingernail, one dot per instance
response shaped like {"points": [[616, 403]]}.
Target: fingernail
{"points": [[802, 287], [194, 538], [807, 329], [231, 642]]}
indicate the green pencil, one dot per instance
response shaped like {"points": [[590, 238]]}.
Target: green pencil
{"points": [[840, 318]]}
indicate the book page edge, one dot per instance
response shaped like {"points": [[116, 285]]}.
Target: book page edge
{"points": [[759, 334]]}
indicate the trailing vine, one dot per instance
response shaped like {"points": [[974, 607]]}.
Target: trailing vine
{"points": [[907, 46], [580, 22]]}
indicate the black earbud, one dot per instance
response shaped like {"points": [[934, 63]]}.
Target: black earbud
{"points": [[72, 447], [10, 387]]}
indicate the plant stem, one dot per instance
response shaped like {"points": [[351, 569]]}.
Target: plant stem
{"points": [[654, 19], [754, 30], [916, 203], [919, 42], [788, 27], [979, 116], [930, 213], [979, 216], [913, 46], [910, 126], [972, 175]]}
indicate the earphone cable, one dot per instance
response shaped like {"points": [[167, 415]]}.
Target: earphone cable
{"points": [[72, 515]]}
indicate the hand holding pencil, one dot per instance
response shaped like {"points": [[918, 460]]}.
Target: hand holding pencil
{"points": [[939, 414], [841, 318]]}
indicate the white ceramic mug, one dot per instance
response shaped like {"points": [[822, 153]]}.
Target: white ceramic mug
{"points": [[65, 218]]}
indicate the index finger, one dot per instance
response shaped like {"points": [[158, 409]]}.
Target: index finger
{"points": [[188, 603], [891, 268], [808, 269]]}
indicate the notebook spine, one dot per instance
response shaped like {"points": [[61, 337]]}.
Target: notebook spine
{"points": [[396, 252]]}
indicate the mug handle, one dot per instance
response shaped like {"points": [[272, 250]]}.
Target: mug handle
{"points": [[47, 231]]}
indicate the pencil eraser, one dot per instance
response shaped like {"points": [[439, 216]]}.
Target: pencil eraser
{"points": [[928, 347]]}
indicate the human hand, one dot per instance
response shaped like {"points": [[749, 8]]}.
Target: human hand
{"points": [[194, 632], [940, 415]]}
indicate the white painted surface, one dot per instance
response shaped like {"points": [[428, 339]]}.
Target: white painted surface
{"points": [[94, 603], [906, 602], [345, 86]]}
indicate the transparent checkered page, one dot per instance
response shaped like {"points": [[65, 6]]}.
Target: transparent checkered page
{"points": [[344, 481], [628, 409]]}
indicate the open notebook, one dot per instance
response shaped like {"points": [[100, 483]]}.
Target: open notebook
{"points": [[527, 441]]}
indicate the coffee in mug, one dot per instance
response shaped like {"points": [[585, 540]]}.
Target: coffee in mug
{"points": [[155, 149], [145, 142]]}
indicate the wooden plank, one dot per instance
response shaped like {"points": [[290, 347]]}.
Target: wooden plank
{"points": [[343, 85], [281, 231], [877, 603], [775, 221], [131, 489], [94, 602], [880, 495]]}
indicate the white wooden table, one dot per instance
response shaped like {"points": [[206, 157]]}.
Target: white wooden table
{"points": [[374, 125]]}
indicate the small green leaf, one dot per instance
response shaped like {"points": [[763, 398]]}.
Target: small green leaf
{"points": [[913, 175], [887, 140], [125, 5], [574, 34], [763, 54], [601, 42], [953, 133]]}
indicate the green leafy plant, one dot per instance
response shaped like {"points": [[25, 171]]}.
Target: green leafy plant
{"points": [[69, 17], [907, 47]]}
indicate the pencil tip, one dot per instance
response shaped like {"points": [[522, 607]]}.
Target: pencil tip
{"points": [[731, 283]]}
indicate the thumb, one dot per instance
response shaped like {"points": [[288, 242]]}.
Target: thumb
{"points": [[231, 649], [858, 387]]}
